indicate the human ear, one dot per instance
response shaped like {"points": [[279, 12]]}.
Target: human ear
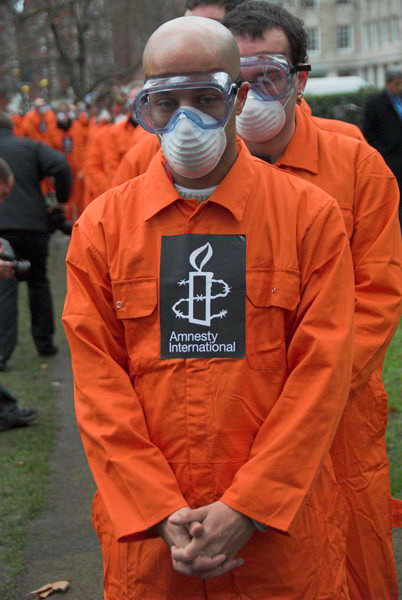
{"points": [[242, 97]]}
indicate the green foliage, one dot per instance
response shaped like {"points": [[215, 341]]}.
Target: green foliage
{"points": [[393, 383], [347, 107]]}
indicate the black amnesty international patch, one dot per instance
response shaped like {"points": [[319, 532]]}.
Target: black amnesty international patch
{"points": [[202, 296]]}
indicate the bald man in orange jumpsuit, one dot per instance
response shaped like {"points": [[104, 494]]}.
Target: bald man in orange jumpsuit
{"points": [[188, 394], [357, 177]]}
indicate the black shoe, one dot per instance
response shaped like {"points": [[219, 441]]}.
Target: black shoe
{"points": [[17, 417], [51, 351], [3, 363]]}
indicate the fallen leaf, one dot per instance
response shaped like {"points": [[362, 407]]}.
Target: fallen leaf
{"points": [[50, 588], [44, 366]]}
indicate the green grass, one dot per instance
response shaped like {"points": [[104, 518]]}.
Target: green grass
{"points": [[393, 383], [24, 452]]}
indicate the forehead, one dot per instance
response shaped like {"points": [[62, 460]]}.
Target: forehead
{"points": [[210, 11], [273, 41], [181, 59]]}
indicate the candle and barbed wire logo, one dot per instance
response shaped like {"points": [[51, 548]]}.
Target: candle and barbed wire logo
{"points": [[202, 291]]}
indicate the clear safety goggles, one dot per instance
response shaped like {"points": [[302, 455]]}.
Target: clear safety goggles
{"points": [[162, 100], [270, 76]]}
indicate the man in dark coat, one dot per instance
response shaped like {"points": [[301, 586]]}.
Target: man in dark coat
{"points": [[24, 223], [382, 126]]}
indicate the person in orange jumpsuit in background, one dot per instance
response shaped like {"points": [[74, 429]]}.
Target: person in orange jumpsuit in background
{"points": [[39, 121], [121, 137], [208, 376], [68, 138], [95, 179], [272, 42]]}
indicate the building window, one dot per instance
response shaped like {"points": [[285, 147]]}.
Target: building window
{"points": [[343, 1], [366, 35], [384, 31], [313, 43], [373, 34], [395, 29], [309, 3], [344, 37]]}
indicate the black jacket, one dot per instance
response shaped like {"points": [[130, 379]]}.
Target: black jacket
{"points": [[31, 161], [382, 128]]}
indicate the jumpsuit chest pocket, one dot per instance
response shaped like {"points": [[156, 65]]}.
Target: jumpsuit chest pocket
{"points": [[135, 304], [272, 294]]}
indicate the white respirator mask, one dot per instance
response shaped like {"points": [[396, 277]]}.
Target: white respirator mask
{"points": [[191, 150], [260, 120]]}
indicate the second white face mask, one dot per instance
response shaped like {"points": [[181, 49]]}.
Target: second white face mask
{"points": [[192, 151], [260, 120]]}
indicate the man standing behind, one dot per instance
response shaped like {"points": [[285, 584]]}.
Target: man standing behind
{"points": [[24, 223], [272, 45], [209, 314], [382, 125]]}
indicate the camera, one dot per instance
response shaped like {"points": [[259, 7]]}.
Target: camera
{"points": [[57, 220], [21, 267]]}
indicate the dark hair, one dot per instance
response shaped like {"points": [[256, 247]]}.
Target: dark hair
{"points": [[5, 171], [393, 72], [228, 5], [5, 121], [253, 18]]}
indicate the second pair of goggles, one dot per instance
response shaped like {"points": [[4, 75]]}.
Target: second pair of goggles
{"points": [[270, 75], [163, 99]]}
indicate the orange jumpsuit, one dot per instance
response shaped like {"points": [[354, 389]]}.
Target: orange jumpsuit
{"points": [[333, 124], [368, 197], [357, 177], [38, 127], [18, 121], [96, 179], [123, 136], [253, 431], [71, 144], [137, 160]]}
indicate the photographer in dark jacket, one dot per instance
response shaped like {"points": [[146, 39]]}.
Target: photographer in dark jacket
{"points": [[382, 125], [24, 223], [11, 415]]}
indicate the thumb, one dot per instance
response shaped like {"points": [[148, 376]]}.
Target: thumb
{"points": [[188, 515]]}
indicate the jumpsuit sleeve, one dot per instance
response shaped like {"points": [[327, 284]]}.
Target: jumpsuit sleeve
{"points": [[376, 252], [294, 440], [134, 479]]}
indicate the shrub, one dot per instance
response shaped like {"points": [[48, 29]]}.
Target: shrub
{"points": [[347, 107]]}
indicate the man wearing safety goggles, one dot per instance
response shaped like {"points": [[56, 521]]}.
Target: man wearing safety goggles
{"points": [[272, 44], [209, 317]]}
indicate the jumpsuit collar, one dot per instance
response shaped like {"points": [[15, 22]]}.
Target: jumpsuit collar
{"points": [[305, 136], [232, 192]]}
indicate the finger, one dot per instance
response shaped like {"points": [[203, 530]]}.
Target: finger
{"points": [[208, 563], [187, 515], [199, 567], [229, 565], [187, 554], [195, 529]]}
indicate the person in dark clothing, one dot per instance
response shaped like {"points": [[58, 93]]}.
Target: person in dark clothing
{"points": [[11, 415], [212, 9], [24, 223], [382, 124]]}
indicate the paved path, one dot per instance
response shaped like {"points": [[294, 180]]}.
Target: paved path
{"points": [[61, 543]]}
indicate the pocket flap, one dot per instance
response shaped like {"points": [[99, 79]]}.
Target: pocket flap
{"points": [[273, 287], [135, 298]]}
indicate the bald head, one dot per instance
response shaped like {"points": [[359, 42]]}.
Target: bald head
{"points": [[188, 45]]}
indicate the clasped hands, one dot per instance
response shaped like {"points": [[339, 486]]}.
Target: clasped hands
{"points": [[204, 541]]}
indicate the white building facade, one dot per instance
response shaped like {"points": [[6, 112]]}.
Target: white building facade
{"points": [[351, 37]]}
